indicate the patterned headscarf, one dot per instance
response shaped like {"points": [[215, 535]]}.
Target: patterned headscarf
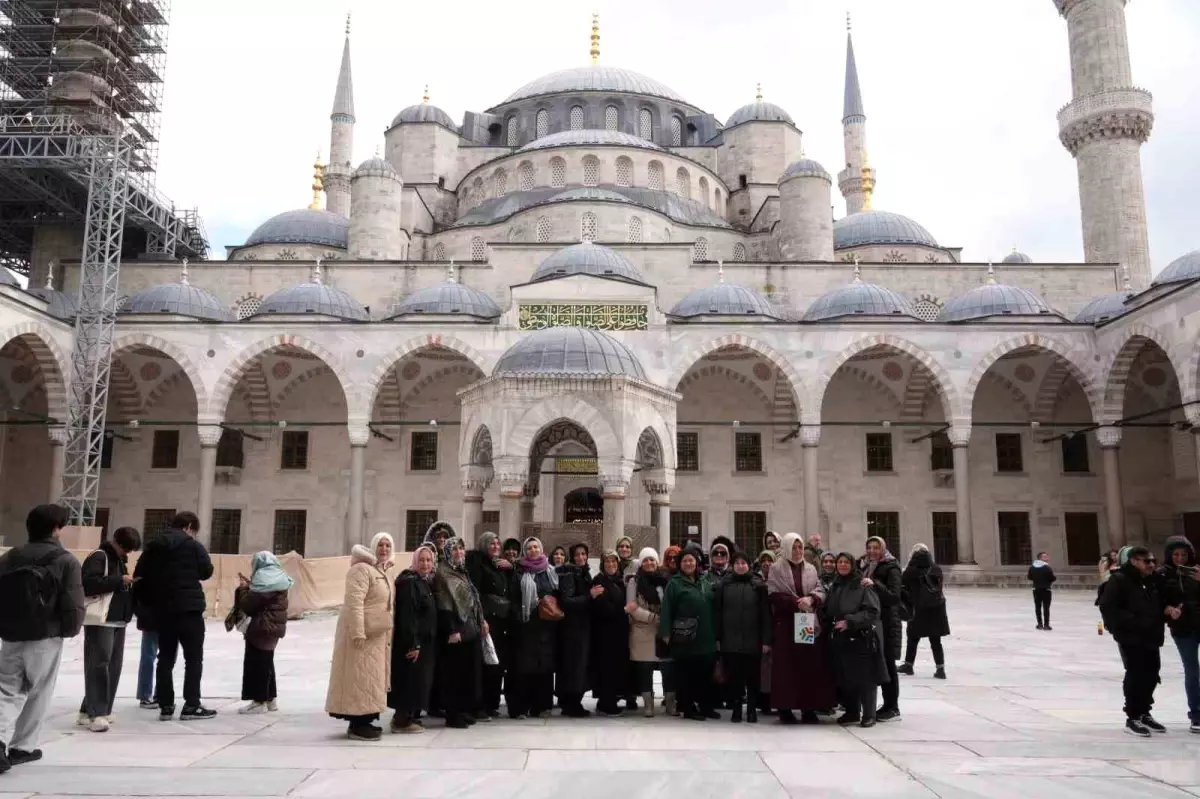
{"points": [[447, 553]]}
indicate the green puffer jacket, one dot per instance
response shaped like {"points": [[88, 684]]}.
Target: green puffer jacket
{"points": [[688, 599]]}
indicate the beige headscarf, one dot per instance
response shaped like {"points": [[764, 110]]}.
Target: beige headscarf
{"points": [[781, 581]]}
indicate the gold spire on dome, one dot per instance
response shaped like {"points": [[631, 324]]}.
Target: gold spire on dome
{"points": [[868, 183], [595, 51], [758, 93], [425, 96], [318, 184], [347, 23]]}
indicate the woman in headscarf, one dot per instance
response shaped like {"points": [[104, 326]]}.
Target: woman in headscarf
{"points": [[358, 676], [771, 542], [609, 659], [624, 548], [534, 633], [492, 575], [558, 557], [922, 585], [436, 536], [766, 560], [828, 569], [461, 628], [575, 592], [643, 604], [718, 559], [881, 571], [742, 621], [414, 643], [852, 613], [686, 626], [800, 674], [264, 599]]}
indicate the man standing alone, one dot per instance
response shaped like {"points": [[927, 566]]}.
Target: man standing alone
{"points": [[1134, 614], [172, 567], [1042, 577]]}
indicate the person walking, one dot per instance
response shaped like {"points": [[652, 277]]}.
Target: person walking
{"points": [[1180, 581], [492, 576], [1134, 613], [801, 678], [852, 611], [41, 603], [643, 605], [264, 600], [575, 594], [685, 625], [359, 671], [173, 566], [109, 609], [414, 643], [742, 621], [1042, 576], [881, 571], [536, 619], [923, 590], [609, 653], [460, 629]]}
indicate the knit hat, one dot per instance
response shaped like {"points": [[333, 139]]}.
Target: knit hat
{"points": [[739, 555]]}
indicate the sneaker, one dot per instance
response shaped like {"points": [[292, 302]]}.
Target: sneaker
{"points": [[197, 713], [1148, 721], [1048, 627], [456, 721], [148, 704], [867, 723], [1041, 626], [166, 713], [99, 724], [253, 709], [887, 715], [365, 732], [272, 706], [1195, 726], [83, 720], [19, 756], [412, 728], [905, 668], [1135, 727]]}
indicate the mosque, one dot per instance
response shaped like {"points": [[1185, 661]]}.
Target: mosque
{"points": [[595, 308]]}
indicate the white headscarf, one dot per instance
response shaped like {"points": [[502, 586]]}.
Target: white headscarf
{"points": [[375, 549]]}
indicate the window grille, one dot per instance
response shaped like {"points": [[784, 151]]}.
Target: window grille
{"points": [[611, 118], [248, 307], [700, 249], [525, 176], [543, 123], [683, 183], [624, 171], [512, 131], [543, 229], [654, 176], [558, 173], [587, 227], [635, 230], [478, 251], [500, 182], [591, 170], [290, 529], [676, 131], [739, 252], [645, 124], [577, 117]]}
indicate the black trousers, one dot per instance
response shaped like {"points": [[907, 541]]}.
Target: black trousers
{"points": [[530, 694], [859, 702], [743, 676], [177, 630], [890, 689], [1142, 665], [461, 667], [493, 676], [258, 674], [935, 643], [103, 656], [694, 675], [1041, 605]]}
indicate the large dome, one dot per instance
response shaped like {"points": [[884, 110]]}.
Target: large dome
{"points": [[593, 78], [425, 112], [59, 304], [376, 167], [569, 351], [993, 299], [179, 299], [1017, 257], [303, 226], [314, 298], [587, 258], [724, 299], [449, 298], [879, 227], [1185, 267], [589, 137], [1103, 308], [759, 112], [859, 299]]}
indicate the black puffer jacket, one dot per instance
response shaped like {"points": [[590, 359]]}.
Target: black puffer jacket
{"points": [[494, 587], [172, 568], [268, 612], [1180, 588], [888, 587], [1132, 608], [741, 614], [103, 573]]}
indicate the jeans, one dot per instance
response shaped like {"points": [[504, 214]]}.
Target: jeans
{"points": [[1041, 605], [1142, 665], [1189, 653], [935, 644], [145, 688], [103, 656], [28, 673], [184, 630]]}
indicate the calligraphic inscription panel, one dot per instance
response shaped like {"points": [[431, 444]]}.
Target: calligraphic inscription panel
{"points": [[594, 316]]}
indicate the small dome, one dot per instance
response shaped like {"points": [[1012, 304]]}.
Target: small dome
{"points": [[425, 112], [58, 304], [993, 299], [805, 167], [589, 137], [375, 167], [7, 278], [314, 298], [859, 299], [303, 226], [879, 227], [593, 78], [179, 299], [448, 298], [724, 299], [569, 351], [587, 258], [1016, 257], [1183, 268], [1103, 308], [759, 112]]}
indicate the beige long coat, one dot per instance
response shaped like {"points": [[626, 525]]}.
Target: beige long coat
{"points": [[360, 673], [643, 626]]}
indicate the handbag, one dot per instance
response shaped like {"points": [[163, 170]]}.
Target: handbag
{"points": [[95, 611], [489, 651], [805, 630], [548, 609], [495, 606], [683, 631]]}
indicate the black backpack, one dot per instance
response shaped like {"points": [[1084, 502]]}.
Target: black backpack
{"points": [[29, 598]]}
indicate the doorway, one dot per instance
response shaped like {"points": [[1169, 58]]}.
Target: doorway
{"points": [[583, 506]]}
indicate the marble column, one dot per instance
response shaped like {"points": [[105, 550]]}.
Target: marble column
{"points": [[510, 511], [356, 508], [528, 505], [1114, 503], [660, 512], [58, 461], [810, 441], [210, 437], [613, 491], [475, 481], [960, 439]]}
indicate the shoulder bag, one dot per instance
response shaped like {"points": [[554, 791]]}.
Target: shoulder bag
{"points": [[95, 611]]}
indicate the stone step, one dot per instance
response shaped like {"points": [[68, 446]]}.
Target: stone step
{"points": [[1015, 577]]}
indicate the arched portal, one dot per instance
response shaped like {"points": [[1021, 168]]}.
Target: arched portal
{"points": [[583, 506]]}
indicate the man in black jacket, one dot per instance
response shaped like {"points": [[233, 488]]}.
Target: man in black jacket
{"points": [[1180, 581], [1041, 574], [173, 566], [106, 579], [1134, 613]]}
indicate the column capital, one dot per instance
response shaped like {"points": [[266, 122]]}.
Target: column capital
{"points": [[512, 472], [810, 435], [209, 434], [659, 492], [959, 435], [1109, 437], [58, 436], [475, 480], [613, 486], [359, 433], [659, 483]]}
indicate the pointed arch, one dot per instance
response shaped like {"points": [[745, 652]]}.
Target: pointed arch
{"points": [[1022, 341], [123, 391], [1117, 370], [52, 361], [384, 366], [939, 373], [233, 371], [572, 409], [175, 353], [781, 362]]}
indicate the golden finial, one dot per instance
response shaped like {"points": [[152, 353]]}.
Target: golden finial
{"points": [[847, 22], [347, 23], [758, 93], [867, 185], [991, 274], [318, 183], [595, 51], [425, 97], [857, 271]]}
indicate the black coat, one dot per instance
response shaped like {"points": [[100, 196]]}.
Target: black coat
{"points": [[95, 583], [1042, 577], [1180, 589], [1132, 608], [534, 643], [922, 584], [858, 651], [609, 655], [575, 634], [172, 568], [415, 627], [741, 615], [889, 587]]}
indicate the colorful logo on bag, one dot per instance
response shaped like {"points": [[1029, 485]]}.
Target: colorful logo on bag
{"points": [[806, 628]]}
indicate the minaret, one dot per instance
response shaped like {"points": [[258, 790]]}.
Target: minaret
{"points": [[1104, 127], [857, 180], [341, 137]]}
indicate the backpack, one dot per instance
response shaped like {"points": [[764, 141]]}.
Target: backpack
{"points": [[929, 594], [29, 597]]}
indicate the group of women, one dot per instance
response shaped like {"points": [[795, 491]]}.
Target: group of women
{"points": [[460, 630]]}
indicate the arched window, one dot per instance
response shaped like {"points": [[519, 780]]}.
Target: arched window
{"points": [[717, 202], [248, 307], [477, 190], [739, 252], [591, 170], [543, 123], [704, 191], [700, 249], [587, 227], [624, 171], [612, 119], [576, 117], [499, 182], [645, 124], [543, 229], [683, 183], [634, 235], [654, 175], [676, 131], [558, 172], [439, 252], [478, 251], [525, 176], [512, 132]]}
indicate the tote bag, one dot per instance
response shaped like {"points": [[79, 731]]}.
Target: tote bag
{"points": [[806, 628], [95, 611]]}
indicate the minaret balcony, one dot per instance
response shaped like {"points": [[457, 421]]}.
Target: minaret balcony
{"points": [[1113, 113]]}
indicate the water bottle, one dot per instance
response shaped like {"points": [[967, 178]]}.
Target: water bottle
{"points": [[1099, 628]]}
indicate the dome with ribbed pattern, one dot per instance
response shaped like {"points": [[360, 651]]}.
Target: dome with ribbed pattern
{"points": [[303, 226], [425, 112], [879, 227], [860, 299], [1101, 309], [994, 299], [450, 298], [593, 78], [587, 258], [313, 298], [569, 351], [589, 137], [724, 299], [1184, 268], [759, 112], [179, 299]]}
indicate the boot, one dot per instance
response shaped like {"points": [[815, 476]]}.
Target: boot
{"points": [[648, 702], [751, 714], [905, 668], [669, 704], [940, 674]]}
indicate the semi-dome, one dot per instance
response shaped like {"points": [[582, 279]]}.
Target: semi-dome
{"points": [[375, 167], [59, 304], [587, 258], [993, 299], [805, 167], [7, 278], [1017, 257], [589, 137], [593, 78], [425, 112], [179, 299], [679, 209], [303, 226], [724, 299], [569, 351], [759, 112], [879, 227], [859, 299], [1103, 308], [450, 298], [1185, 267], [314, 298]]}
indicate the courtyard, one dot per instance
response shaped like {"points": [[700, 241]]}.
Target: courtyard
{"points": [[1024, 713]]}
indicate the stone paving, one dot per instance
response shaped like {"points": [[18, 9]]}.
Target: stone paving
{"points": [[1024, 714]]}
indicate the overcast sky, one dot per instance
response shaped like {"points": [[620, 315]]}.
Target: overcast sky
{"points": [[960, 95]]}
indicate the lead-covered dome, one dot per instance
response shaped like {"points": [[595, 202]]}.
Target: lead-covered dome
{"points": [[759, 112], [7, 278], [593, 78], [589, 137], [59, 304], [879, 227], [1103, 308], [425, 112], [569, 351], [993, 299], [1185, 267], [375, 167], [587, 258], [724, 299], [179, 299], [859, 299], [1017, 257], [805, 167], [450, 298], [303, 226], [314, 298]]}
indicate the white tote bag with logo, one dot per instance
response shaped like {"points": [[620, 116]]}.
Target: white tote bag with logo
{"points": [[95, 608]]}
